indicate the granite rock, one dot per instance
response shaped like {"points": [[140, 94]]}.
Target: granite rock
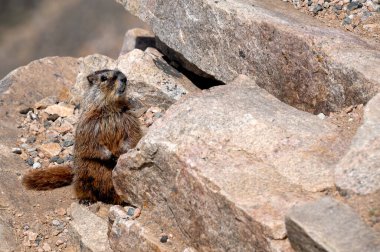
{"points": [[90, 230], [327, 225], [226, 164], [293, 56]]}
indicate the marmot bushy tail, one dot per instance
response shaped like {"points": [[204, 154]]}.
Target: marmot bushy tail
{"points": [[50, 178]]}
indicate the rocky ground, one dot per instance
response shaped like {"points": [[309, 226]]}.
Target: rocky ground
{"points": [[359, 16], [229, 167], [45, 122]]}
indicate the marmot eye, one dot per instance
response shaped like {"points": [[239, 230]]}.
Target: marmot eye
{"points": [[103, 78]]}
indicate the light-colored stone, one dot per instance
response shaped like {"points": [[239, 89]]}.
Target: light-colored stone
{"points": [[225, 165], [63, 110], [327, 225], [137, 38], [63, 128], [293, 56], [91, 230], [359, 169], [50, 149]]}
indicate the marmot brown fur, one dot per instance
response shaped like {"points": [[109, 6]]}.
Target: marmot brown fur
{"points": [[106, 129]]}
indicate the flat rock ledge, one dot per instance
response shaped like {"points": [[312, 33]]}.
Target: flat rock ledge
{"points": [[293, 56], [223, 167], [327, 225]]}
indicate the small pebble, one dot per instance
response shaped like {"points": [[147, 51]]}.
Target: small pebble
{"points": [[30, 139], [59, 242], [37, 165], [47, 124], [56, 223], [60, 161], [321, 116], [164, 239], [54, 159], [68, 143], [16, 150], [30, 161], [131, 211]]}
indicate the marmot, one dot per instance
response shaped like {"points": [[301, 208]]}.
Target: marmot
{"points": [[106, 129]]}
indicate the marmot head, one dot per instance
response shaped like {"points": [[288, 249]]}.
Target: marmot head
{"points": [[109, 81], [107, 89]]}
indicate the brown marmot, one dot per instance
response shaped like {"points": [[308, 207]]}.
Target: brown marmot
{"points": [[106, 129]]}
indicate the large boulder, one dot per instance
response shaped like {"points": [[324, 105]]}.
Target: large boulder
{"points": [[293, 56], [224, 166], [359, 169]]}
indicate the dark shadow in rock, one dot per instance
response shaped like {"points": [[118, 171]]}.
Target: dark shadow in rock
{"points": [[143, 43], [200, 78]]}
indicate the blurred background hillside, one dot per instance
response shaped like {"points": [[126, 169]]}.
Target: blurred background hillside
{"points": [[33, 29]]}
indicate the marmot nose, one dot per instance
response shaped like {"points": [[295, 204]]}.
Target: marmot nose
{"points": [[121, 77]]}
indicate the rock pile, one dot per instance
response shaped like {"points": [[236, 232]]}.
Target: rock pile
{"points": [[356, 14], [48, 136]]}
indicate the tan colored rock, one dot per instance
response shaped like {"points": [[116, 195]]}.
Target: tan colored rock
{"points": [[63, 110], [50, 149], [227, 164], [293, 56], [327, 225], [64, 128], [47, 76], [137, 38], [91, 230], [359, 169]]}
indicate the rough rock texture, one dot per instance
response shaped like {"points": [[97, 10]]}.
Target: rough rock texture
{"points": [[326, 225], [126, 234], [224, 166], [57, 70], [151, 80], [137, 38], [91, 230], [359, 170], [291, 55]]}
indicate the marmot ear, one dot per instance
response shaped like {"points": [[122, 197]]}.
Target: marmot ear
{"points": [[91, 78]]}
